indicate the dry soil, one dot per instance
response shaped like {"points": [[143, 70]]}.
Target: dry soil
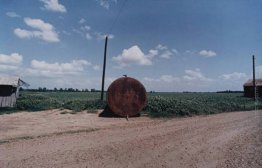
{"points": [[50, 139]]}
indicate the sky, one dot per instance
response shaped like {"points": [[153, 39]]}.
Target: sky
{"points": [[168, 45]]}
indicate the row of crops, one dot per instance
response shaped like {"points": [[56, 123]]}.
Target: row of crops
{"points": [[158, 105], [188, 104], [77, 101]]}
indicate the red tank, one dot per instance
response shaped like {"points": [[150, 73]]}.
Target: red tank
{"points": [[126, 97]]}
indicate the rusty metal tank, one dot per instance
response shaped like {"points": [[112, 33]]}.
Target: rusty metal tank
{"points": [[126, 96]]}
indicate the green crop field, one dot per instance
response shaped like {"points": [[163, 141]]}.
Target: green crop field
{"points": [[158, 104], [181, 104]]}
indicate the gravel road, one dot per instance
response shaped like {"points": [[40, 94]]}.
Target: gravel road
{"points": [[50, 139]]}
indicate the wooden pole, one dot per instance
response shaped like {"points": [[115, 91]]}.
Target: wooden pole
{"points": [[254, 78], [104, 70]]}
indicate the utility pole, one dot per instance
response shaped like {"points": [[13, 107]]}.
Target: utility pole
{"points": [[254, 78], [104, 70]]}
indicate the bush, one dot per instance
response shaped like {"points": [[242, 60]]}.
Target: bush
{"points": [[80, 105], [75, 105], [36, 103], [95, 104]]}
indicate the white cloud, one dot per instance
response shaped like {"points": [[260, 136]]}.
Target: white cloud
{"points": [[259, 71], [161, 47], [14, 58], [8, 67], [110, 36], [101, 36], [43, 68], [81, 21], [96, 67], [166, 54], [44, 31], [53, 5], [77, 31], [88, 36], [195, 75], [190, 52], [148, 79], [175, 51], [66, 33], [130, 56], [12, 14], [232, 81], [134, 55], [23, 33], [234, 76], [207, 53], [152, 53], [105, 3], [192, 80], [190, 76], [163, 78], [169, 78], [85, 28], [85, 31], [162, 83], [10, 62]]}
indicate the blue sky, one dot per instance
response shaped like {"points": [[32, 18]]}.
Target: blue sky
{"points": [[169, 45]]}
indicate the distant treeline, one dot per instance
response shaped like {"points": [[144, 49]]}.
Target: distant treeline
{"points": [[230, 91], [225, 91], [44, 89]]}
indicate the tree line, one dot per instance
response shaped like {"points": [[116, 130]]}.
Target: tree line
{"points": [[44, 89]]}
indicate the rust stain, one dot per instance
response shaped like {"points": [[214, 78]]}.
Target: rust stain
{"points": [[126, 96]]}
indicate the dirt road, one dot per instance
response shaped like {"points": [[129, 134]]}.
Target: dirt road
{"points": [[50, 139]]}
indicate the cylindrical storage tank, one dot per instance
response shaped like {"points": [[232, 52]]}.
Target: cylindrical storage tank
{"points": [[126, 96]]}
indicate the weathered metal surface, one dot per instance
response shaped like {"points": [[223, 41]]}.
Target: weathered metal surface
{"points": [[126, 96], [9, 90], [8, 95]]}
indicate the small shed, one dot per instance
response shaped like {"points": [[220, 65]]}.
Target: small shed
{"points": [[248, 88], [9, 90]]}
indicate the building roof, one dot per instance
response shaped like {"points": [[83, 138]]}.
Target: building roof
{"points": [[250, 82], [12, 81]]}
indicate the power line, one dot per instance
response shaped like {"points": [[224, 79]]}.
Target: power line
{"points": [[117, 16]]}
